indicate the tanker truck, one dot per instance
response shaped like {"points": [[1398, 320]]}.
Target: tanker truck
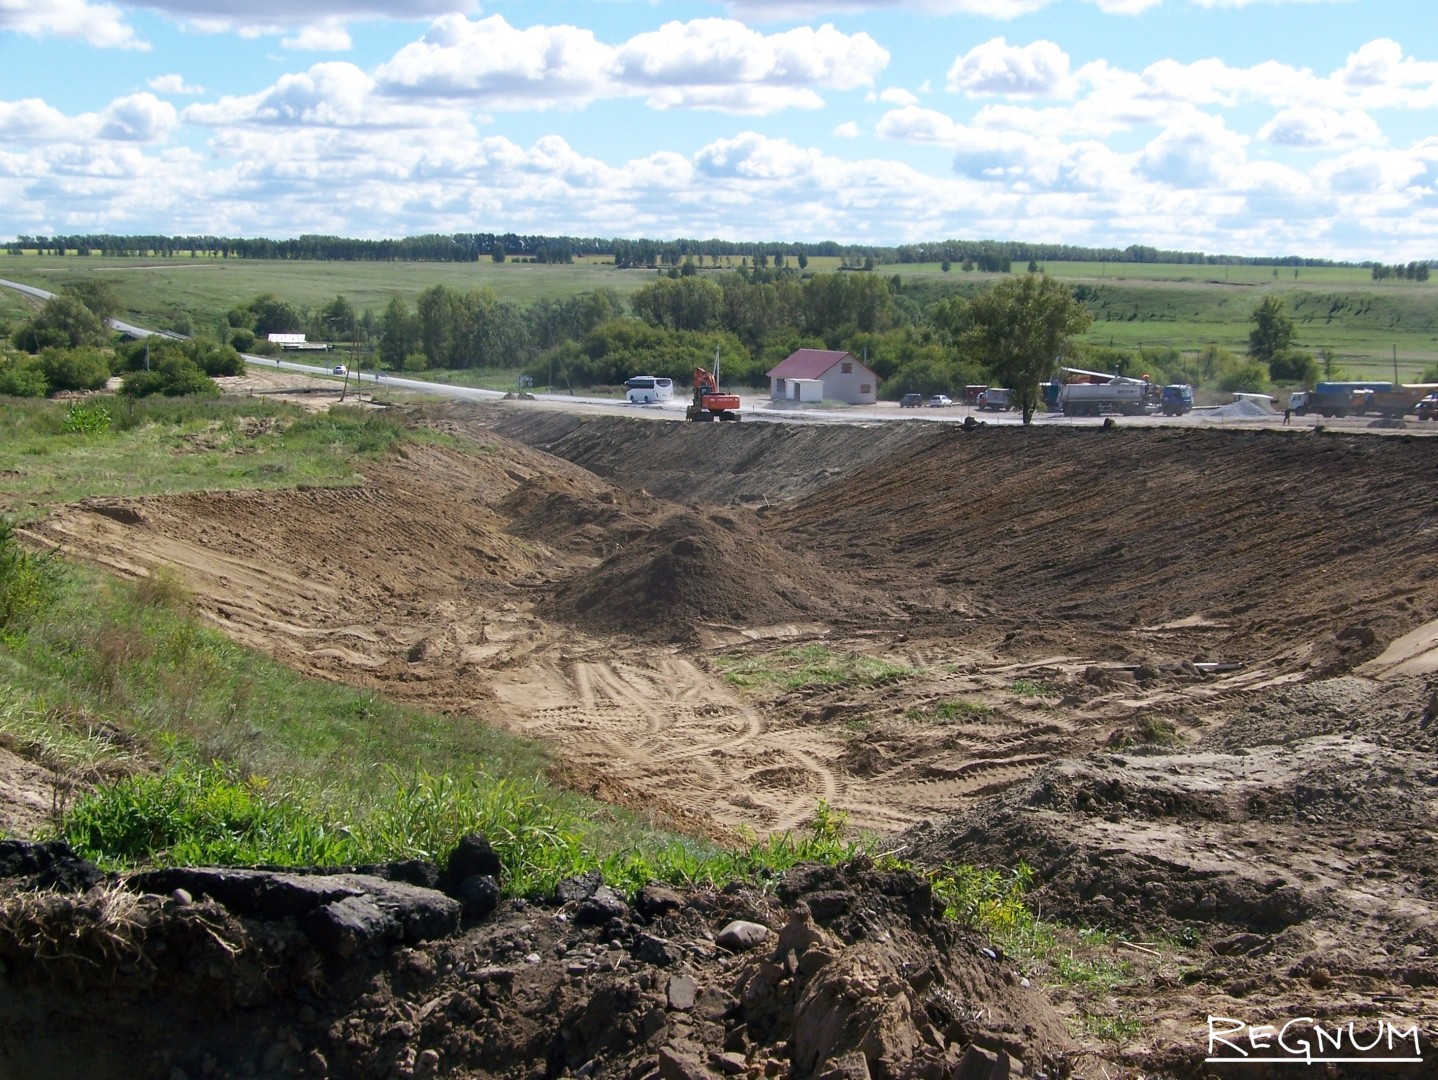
{"points": [[1121, 394]]}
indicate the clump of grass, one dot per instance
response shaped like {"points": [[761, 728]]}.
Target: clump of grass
{"points": [[1031, 688], [214, 815], [947, 712], [988, 900], [808, 667], [1115, 1029]]}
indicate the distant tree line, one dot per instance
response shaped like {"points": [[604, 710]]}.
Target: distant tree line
{"points": [[1414, 271], [987, 255]]}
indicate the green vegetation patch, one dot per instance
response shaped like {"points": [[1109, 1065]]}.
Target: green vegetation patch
{"points": [[808, 667], [207, 752], [53, 453], [1032, 688], [948, 711]]}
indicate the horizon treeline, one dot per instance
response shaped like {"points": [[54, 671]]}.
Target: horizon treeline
{"points": [[626, 253]]}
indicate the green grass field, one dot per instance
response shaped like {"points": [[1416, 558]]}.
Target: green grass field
{"points": [[1368, 325]]}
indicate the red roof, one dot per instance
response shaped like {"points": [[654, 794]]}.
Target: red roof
{"points": [[811, 363]]}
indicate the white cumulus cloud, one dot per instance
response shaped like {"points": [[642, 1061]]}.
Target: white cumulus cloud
{"points": [[996, 67], [173, 84], [101, 25], [328, 36], [1321, 129]]}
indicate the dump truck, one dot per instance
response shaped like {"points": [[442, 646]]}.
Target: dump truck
{"points": [[1129, 397], [1334, 399]]}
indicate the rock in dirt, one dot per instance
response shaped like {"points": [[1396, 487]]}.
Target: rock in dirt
{"points": [[346, 910], [741, 935]]}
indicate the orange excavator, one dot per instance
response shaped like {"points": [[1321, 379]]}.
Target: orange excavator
{"points": [[709, 403]]}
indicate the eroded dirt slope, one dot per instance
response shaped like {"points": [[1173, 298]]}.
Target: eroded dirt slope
{"points": [[1190, 674]]}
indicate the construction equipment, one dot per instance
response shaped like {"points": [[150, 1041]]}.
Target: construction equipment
{"points": [[709, 403]]}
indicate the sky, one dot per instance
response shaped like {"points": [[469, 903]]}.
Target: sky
{"points": [[1238, 127]]}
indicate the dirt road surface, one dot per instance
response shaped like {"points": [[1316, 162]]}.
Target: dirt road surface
{"points": [[1187, 674]]}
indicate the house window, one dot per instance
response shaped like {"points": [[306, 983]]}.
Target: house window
{"points": [[865, 388], [847, 368]]}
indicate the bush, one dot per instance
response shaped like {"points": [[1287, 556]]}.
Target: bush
{"points": [[176, 376], [1293, 366], [22, 378], [1250, 377], [75, 369], [28, 582], [242, 339]]}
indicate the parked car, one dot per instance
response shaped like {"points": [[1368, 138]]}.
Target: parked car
{"points": [[340, 369], [940, 401], [911, 401]]}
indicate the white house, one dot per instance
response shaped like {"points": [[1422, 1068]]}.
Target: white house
{"points": [[841, 376]]}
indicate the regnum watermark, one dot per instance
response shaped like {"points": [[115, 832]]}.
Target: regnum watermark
{"points": [[1304, 1040]]}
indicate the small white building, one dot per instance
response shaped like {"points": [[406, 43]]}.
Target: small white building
{"points": [[823, 375]]}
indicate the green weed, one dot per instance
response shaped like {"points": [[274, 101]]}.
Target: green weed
{"points": [[1031, 688], [1116, 1029], [808, 667], [947, 712]]}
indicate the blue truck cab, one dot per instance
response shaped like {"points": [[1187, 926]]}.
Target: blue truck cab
{"points": [[1176, 399]]}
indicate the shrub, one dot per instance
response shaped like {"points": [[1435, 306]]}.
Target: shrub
{"points": [[176, 376], [22, 378], [242, 339], [75, 369], [1294, 367], [28, 582]]}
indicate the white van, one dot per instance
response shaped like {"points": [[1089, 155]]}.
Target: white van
{"points": [[648, 389]]}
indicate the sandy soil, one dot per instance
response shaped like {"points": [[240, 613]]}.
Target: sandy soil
{"points": [[1187, 674]]}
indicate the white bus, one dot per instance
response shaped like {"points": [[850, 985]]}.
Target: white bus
{"points": [[647, 389]]}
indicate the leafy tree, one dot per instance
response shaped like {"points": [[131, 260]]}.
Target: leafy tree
{"points": [[1272, 330], [64, 322], [337, 321], [1020, 328], [95, 295], [690, 303], [267, 314], [398, 335]]}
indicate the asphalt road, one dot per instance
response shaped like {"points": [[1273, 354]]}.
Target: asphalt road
{"points": [[761, 407]]}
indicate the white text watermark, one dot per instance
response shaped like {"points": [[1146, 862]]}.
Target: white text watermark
{"points": [[1305, 1040]]}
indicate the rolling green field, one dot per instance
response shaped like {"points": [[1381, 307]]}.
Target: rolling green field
{"points": [[1367, 325]]}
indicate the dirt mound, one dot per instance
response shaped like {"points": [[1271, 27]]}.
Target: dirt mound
{"points": [[696, 569], [847, 969], [1263, 853]]}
